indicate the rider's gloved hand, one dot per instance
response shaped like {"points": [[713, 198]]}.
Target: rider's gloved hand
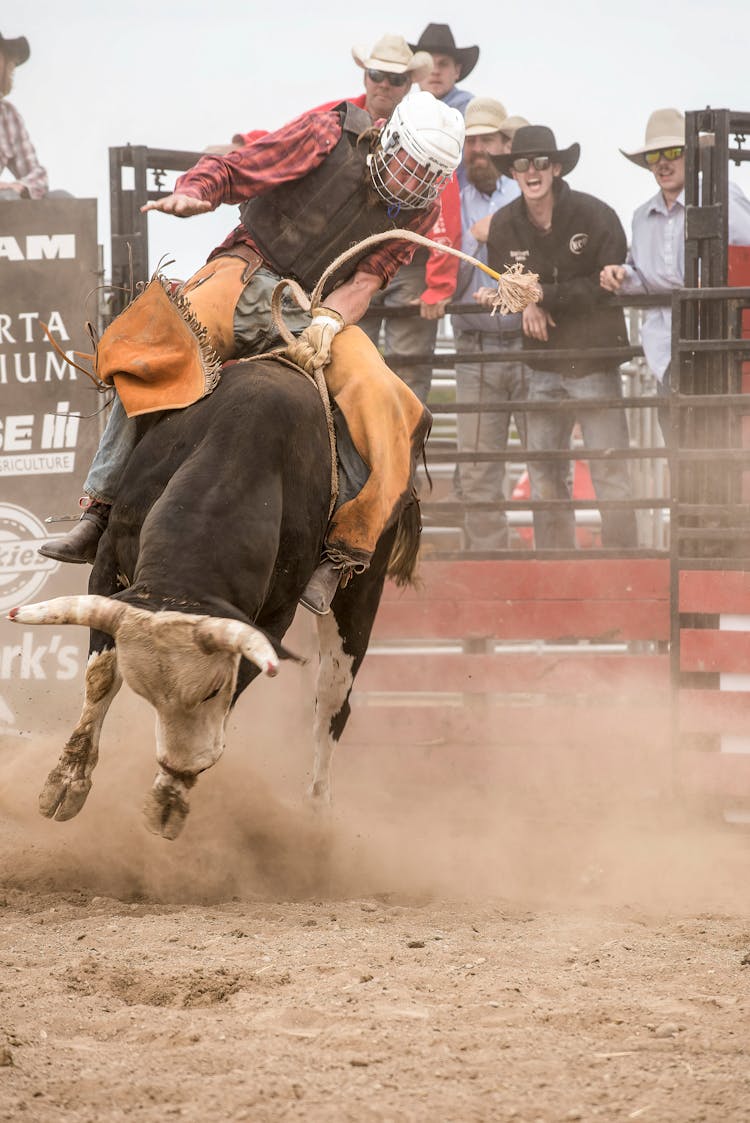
{"points": [[312, 349]]}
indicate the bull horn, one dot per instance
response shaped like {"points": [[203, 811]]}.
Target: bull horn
{"points": [[93, 611], [221, 634]]}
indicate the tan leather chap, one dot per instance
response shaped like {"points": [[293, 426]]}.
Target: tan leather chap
{"points": [[213, 293], [388, 425]]}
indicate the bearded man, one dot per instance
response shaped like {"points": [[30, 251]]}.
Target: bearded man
{"points": [[489, 130]]}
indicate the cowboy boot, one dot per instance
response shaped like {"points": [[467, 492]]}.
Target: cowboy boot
{"points": [[79, 544], [321, 588]]}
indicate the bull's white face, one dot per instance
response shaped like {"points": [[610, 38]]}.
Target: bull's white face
{"points": [[191, 690], [185, 666]]}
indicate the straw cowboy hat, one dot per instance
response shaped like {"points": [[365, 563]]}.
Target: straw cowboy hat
{"points": [[394, 55], [538, 140], [484, 115], [665, 129], [17, 49], [437, 38]]}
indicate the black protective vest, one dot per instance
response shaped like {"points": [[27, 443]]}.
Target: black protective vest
{"points": [[301, 227]]}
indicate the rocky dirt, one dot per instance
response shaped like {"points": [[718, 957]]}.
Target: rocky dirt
{"points": [[434, 951]]}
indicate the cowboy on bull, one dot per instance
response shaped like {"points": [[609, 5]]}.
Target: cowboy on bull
{"points": [[307, 192]]}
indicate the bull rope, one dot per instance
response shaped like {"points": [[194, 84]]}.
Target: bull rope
{"points": [[515, 288]]}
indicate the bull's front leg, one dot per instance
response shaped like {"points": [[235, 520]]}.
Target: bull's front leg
{"points": [[69, 782], [335, 678]]}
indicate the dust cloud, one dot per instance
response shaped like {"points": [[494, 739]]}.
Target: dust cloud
{"points": [[410, 825]]}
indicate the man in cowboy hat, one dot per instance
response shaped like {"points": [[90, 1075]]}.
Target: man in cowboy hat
{"points": [[450, 64], [489, 131], [656, 261], [17, 153], [308, 192], [390, 69], [429, 280], [565, 237]]}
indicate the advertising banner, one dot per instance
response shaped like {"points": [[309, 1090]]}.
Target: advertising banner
{"points": [[51, 417]]}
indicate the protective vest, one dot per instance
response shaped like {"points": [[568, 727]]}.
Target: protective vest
{"points": [[301, 227]]}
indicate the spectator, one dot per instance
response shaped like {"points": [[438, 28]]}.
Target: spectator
{"points": [[429, 280], [17, 153], [566, 237], [489, 131], [309, 191], [656, 261], [390, 69], [450, 64]]}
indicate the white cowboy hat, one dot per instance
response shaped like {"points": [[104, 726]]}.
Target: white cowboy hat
{"points": [[511, 125], [484, 115], [394, 55], [665, 129]]}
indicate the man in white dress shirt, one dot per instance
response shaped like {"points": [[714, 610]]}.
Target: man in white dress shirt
{"points": [[656, 260]]}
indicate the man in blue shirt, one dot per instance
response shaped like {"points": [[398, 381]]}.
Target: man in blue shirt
{"points": [[656, 260], [488, 130]]}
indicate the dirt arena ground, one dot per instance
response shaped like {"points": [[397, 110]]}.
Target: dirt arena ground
{"points": [[434, 951]]}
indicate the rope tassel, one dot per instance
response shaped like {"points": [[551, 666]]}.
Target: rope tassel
{"points": [[515, 290]]}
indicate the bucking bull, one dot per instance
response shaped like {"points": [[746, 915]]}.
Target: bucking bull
{"points": [[215, 532]]}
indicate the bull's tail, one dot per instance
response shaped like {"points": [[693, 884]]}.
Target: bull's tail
{"points": [[403, 560]]}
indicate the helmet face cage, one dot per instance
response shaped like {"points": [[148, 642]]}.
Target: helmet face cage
{"points": [[399, 181]]}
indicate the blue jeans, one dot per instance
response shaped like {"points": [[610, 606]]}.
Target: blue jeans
{"points": [[253, 333], [601, 429], [117, 442], [490, 383]]}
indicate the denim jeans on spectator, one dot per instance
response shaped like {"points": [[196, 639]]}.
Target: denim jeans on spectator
{"points": [[491, 383], [410, 336], [601, 428]]}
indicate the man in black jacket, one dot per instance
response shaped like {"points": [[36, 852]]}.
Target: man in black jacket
{"points": [[566, 237]]}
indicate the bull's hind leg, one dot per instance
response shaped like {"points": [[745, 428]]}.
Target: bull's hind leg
{"points": [[335, 678], [343, 636], [69, 782]]}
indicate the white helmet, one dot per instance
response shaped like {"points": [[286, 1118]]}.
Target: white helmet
{"points": [[419, 150]]}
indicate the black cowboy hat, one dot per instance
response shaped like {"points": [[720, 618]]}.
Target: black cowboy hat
{"points": [[437, 38], [538, 140], [15, 48]]}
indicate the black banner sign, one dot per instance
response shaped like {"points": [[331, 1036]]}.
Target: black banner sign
{"points": [[50, 422]]}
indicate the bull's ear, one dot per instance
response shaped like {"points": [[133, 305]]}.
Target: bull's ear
{"points": [[215, 633], [92, 611]]}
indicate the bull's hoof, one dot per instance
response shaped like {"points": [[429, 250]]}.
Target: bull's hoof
{"points": [[165, 811], [62, 798]]}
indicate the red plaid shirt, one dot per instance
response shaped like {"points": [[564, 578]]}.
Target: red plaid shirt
{"points": [[17, 152], [282, 157]]}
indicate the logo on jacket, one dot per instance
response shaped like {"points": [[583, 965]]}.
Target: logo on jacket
{"points": [[519, 255], [578, 243]]}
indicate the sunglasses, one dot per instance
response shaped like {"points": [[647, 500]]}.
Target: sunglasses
{"points": [[523, 163], [385, 76], [652, 158]]}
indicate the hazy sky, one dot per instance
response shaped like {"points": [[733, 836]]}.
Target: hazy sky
{"points": [[190, 74]]}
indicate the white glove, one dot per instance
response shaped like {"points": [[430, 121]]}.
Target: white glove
{"points": [[312, 349]]}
